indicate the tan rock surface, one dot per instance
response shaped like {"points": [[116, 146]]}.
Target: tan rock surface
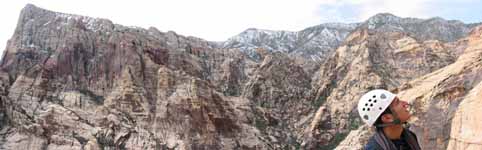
{"points": [[441, 102]]}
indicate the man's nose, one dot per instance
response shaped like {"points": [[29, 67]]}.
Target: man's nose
{"points": [[405, 104]]}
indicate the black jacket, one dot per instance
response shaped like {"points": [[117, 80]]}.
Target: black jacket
{"points": [[401, 144]]}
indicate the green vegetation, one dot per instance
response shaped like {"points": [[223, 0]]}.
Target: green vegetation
{"points": [[318, 102], [354, 123], [260, 123]]}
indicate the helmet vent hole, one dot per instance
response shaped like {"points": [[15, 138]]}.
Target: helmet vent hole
{"points": [[380, 108], [374, 101], [365, 117], [366, 104], [363, 109], [368, 109], [371, 105], [383, 96], [374, 96], [370, 100]]}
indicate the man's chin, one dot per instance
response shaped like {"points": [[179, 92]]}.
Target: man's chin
{"points": [[408, 118]]}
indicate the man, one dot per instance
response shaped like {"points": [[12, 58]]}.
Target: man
{"points": [[383, 109]]}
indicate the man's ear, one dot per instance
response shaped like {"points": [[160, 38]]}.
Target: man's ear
{"points": [[387, 118]]}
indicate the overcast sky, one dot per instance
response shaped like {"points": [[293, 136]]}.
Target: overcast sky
{"points": [[217, 20]]}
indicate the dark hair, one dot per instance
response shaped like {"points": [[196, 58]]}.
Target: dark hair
{"points": [[379, 119]]}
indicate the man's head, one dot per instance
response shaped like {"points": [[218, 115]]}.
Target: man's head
{"points": [[382, 107], [397, 112]]}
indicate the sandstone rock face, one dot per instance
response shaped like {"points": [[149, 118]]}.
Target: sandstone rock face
{"points": [[441, 101], [75, 82], [371, 58], [279, 87], [437, 96], [465, 124], [309, 47]]}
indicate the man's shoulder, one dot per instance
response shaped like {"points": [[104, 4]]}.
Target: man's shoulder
{"points": [[372, 144]]}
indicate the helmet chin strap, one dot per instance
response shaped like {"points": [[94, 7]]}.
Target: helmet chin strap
{"points": [[406, 124]]}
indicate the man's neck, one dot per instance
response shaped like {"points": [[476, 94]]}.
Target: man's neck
{"points": [[393, 132]]}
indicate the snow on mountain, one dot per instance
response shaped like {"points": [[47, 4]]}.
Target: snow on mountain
{"points": [[312, 42]]}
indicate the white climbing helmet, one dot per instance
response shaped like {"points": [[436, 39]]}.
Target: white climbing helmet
{"points": [[372, 104]]}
